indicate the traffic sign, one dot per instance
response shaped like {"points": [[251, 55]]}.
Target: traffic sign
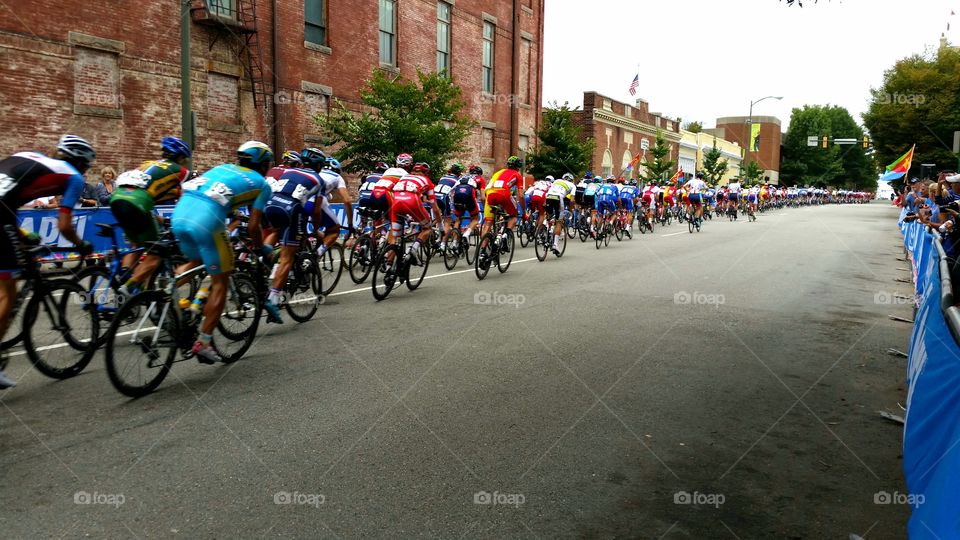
{"points": [[813, 140], [644, 144]]}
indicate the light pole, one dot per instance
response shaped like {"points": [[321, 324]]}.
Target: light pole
{"points": [[746, 159]]}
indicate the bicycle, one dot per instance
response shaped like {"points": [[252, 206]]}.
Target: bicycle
{"points": [[751, 215], [363, 252], [394, 263], [605, 231], [498, 242], [543, 239], [621, 222], [693, 223], [153, 325]]}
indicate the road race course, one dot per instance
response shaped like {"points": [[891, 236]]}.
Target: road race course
{"points": [[740, 368]]}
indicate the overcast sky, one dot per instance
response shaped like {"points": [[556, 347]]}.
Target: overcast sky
{"points": [[695, 51]]}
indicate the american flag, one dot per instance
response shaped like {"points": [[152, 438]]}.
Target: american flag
{"points": [[634, 85]]}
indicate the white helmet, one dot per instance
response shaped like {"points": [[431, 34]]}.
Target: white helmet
{"points": [[78, 149]]}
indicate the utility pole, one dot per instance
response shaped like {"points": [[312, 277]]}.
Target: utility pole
{"points": [[186, 111]]}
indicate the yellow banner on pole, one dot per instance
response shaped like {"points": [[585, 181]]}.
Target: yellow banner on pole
{"points": [[755, 138]]}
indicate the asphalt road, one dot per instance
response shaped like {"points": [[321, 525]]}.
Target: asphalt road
{"points": [[717, 385]]}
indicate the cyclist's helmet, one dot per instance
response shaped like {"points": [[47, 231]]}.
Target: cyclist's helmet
{"points": [[513, 162], [568, 177], [380, 167], [700, 175], [291, 158], [589, 175], [476, 169], [174, 147], [550, 178], [421, 168], [456, 168], [610, 178], [254, 153], [333, 164], [313, 158], [632, 182], [78, 151], [404, 160]]}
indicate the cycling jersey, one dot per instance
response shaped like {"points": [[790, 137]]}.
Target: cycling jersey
{"points": [[561, 189], [499, 192], [285, 211], [537, 195], [408, 193], [365, 191], [137, 192], [465, 193], [198, 219], [26, 176], [606, 197], [444, 193]]}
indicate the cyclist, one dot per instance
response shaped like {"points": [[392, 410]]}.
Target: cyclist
{"points": [[560, 194], [137, 192], [198, 224], [629, 193], [536, 198], [582, 188], [26, 176], [590, 201], [365, 191], [409, 194], [330, 182], [465, 198], [606, 199], [285, 213], [752, 195], [382, 197], [444, 189], [290, 160], [500, 191], [710, 197], [733, 193], [695, 187]]}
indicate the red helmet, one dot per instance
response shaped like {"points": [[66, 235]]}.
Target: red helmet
{"points": [[404, 160]]}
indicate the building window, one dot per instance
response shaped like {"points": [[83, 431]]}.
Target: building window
{"points": [[608, 105], [523, 142], [315, 30], [223, 8], [489, 30], [607, 164], [627, 158], [627, 111], [388, 32], [525, 48], [486, 143], [444, 11]]}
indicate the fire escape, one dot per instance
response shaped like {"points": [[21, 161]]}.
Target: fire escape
{"points": [[237, 20]]}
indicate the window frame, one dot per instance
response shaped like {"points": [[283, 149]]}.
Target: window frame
{"points": [[392, 32], [489, 86], [447, 54], [321, 26]]}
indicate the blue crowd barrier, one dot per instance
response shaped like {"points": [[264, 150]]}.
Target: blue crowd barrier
{"points": [[931, 440]]}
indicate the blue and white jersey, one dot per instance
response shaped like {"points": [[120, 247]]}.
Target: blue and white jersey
{"points": [[366, 187], [445, 186], [591, 189], [297, 184], [629, 192], [608, 192]]}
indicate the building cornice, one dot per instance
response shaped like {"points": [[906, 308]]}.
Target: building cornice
{"points": [[612, 119]]}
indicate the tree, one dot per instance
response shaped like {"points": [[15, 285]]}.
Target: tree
{"points": [[693, 127], [655, 169], [714, 167], [562, 149], [752, 173], [846, 166], [423, 118], [918, 102]]}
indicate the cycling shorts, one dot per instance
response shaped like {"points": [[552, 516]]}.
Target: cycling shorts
{"points": [[589, 201], [286, 215], [465, 200], [536, 203], [695, 198], [627, 204], [752, 198], [12, 259], [554, 207], [133, 210], [201, 234], [606, 203], [407, 204], [502, 198], [733, 196]]}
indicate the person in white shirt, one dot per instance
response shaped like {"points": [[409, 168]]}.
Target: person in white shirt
{"points": [[695, 187]]}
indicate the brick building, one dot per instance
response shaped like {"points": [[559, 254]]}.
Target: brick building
{"points": [[114, 77], [619, 130], [737, 129]]}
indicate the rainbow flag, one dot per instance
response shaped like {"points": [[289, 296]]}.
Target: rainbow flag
{"points": [[679, 174], [633, 162], [899, 167]]}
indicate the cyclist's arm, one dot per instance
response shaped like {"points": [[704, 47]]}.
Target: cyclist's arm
{"points": [[347, 205]]}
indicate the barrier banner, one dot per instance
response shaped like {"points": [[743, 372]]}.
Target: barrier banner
{"points": [[931, 441]]}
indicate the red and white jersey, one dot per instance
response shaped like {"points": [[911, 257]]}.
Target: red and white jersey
{"points": [[539, 189], [413, 183]]}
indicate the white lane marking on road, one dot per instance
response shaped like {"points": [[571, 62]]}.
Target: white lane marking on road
{"points": [[672, 234], [430, 277]]}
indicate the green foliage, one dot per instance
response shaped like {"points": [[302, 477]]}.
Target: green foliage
{"points": [[659, 168], [693, 127], [839, 166], [918, 102], [752, 174], [714, 166], [423, 118], [563, 149]]}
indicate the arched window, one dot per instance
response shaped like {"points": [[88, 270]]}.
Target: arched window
{"points": [[627, 158], [607, 164]]}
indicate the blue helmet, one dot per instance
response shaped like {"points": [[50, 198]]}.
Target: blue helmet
{"points": [[175, 147], [333, 164], [254, 153], [589, 175], [313, 158]]}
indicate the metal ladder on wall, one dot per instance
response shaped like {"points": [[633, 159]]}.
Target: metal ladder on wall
{"points": [[259, 83]]}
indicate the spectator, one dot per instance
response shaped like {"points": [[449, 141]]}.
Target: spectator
{"points": [[913, 197], [89, 195], [42, 202], [932, 213], [106, 186], [951, 182]]}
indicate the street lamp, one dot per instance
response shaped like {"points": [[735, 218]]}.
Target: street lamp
{"points": [[750, 129]]}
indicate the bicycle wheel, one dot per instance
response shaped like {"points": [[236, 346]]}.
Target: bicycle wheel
{"points": [[485, 256], [607, 233], [619, 230], [385, 272], [563, 245], [304, 288], [523, 227], [240, 320], [599, 238], [15, 322], [570, 228], [452, 252], [362, 255], [101, 297], [469, 248], [331, 266], [690, 225], [60, 336], [509, 243], [540, 243], [416, 272], [141, 344]]}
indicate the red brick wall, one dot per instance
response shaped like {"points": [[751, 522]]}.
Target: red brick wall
{"points": [[44, 76], [770, 137]]}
